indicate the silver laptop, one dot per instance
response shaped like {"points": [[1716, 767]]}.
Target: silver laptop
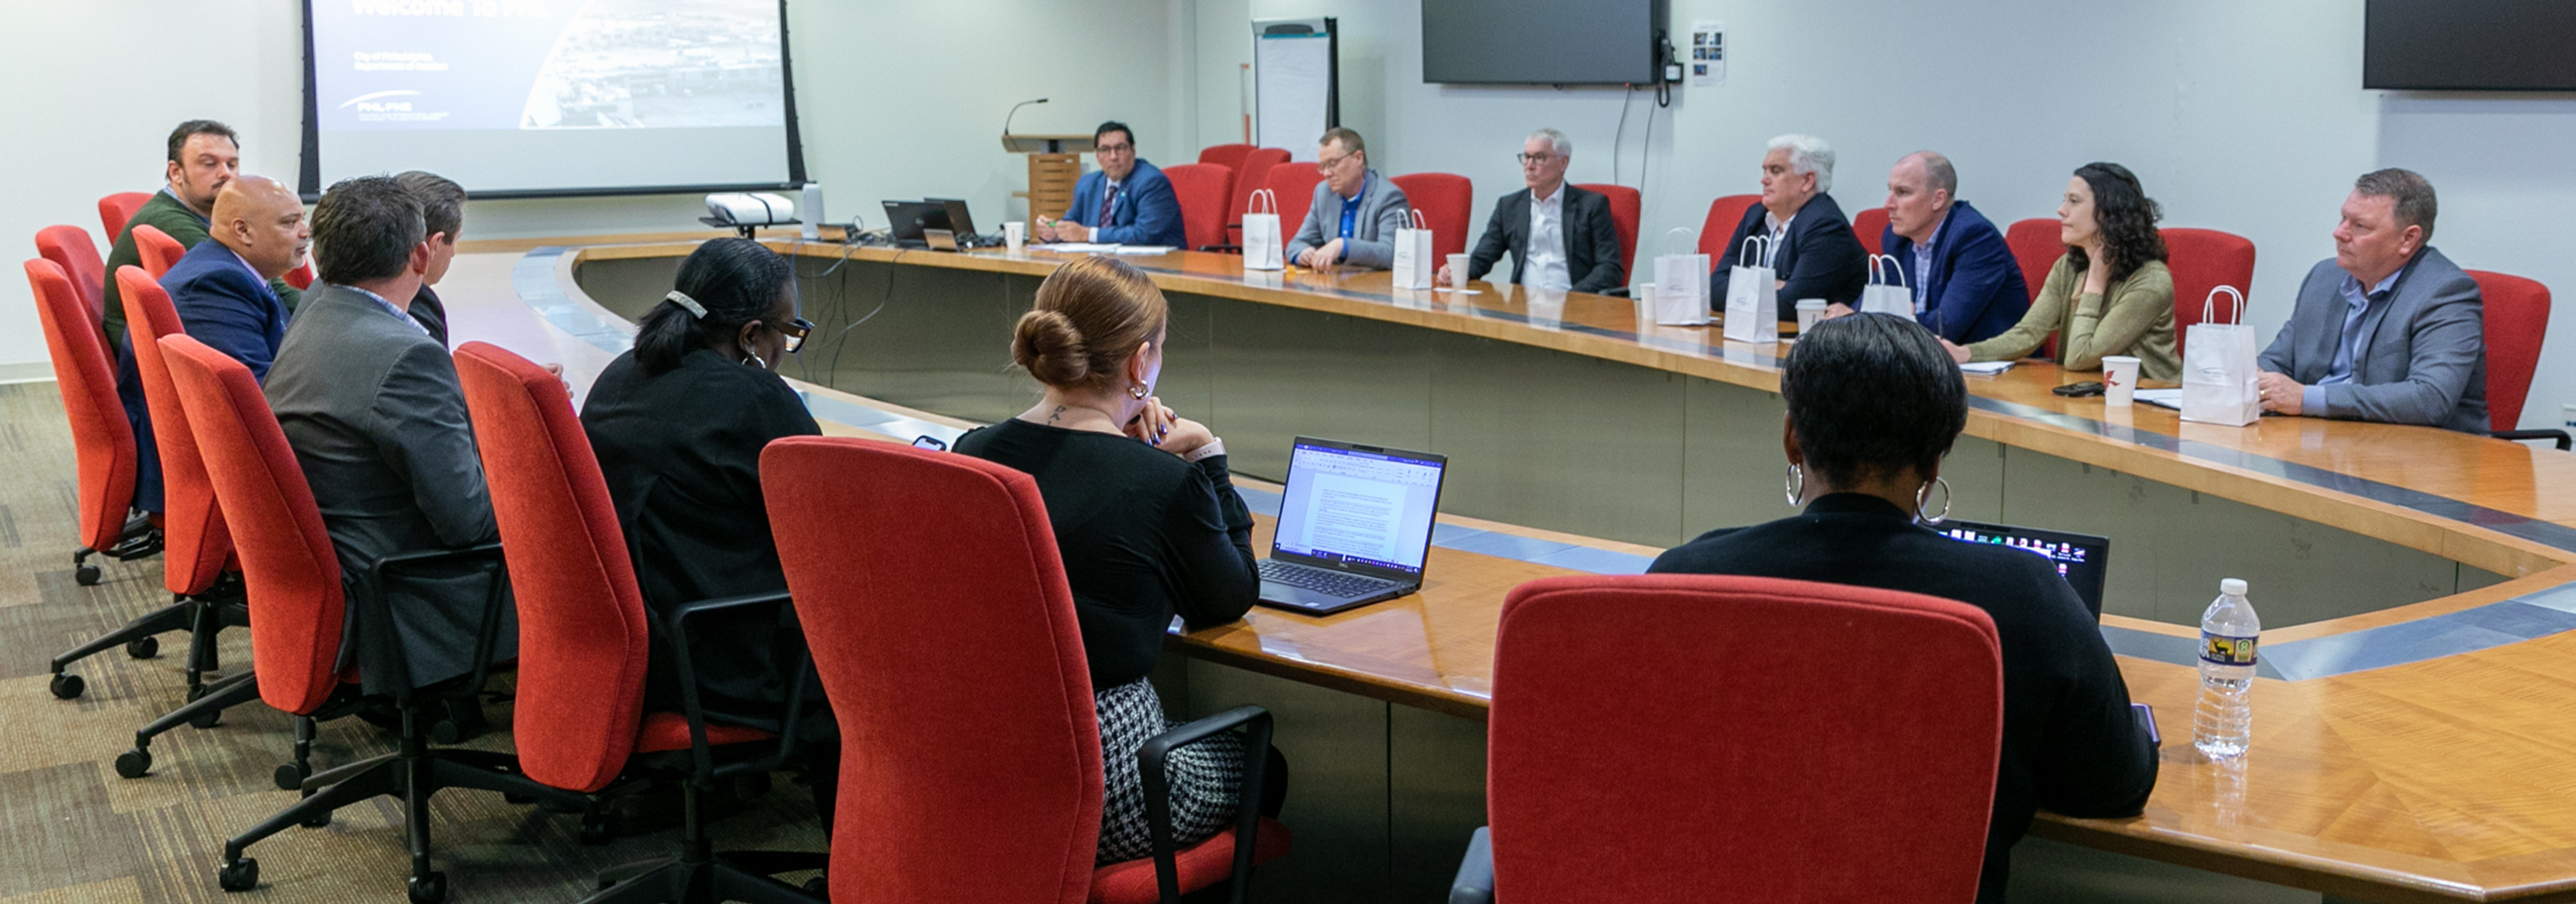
{"points": [[1354, 526]]}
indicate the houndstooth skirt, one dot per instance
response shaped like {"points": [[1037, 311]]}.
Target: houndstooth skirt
{"points": [[1205, 778]]}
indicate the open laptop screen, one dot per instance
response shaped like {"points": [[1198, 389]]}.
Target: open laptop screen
{"points": [[2082, 559], [1358, 505]]}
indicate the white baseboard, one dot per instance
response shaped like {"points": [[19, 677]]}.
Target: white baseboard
{"points": [[27, 372]]}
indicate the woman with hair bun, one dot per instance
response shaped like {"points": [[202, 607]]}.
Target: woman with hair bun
{"points": [[1147, 522], [2110, 295]]}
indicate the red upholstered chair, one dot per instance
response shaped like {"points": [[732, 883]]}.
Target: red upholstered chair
{"points": [[114, 210], [584, 636], [2201, 260], [103, 450], [1294, 183], [1626, 206], [2517, 319], [971, 752], [1448, 205], [70, 248], [2035, 246], [1252, 176], [1741, 778], [301, 277], [157, 249], [1870, 224], [1723, 214], [1229, 156], [1201, 189], [297, 612]]}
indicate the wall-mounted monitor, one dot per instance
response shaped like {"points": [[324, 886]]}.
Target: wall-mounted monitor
{"points": [[1542, 42], [2469, 45]]}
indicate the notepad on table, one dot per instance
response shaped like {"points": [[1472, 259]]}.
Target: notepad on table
{"points": [[1986, 368], [2161, 398]]}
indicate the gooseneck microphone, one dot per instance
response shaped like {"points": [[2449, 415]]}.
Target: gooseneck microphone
{"points": [[1015, 111]]}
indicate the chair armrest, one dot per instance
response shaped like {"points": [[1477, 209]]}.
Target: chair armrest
{"points": [[1229, 249], [1616, 291], [1150, 763], [1475, 882], [392, 568], [682, 641], [2565, 442]]}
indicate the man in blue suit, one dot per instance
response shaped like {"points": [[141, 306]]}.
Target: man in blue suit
{"points": [[1967, 285], [1126, 201]]}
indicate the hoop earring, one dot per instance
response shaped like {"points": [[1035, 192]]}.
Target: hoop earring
{"points": [[1797, 486], [1137, 390], [1926, 490], [753, 358]]}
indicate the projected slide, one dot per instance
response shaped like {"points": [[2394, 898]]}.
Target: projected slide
{"points": [[535, 95]]}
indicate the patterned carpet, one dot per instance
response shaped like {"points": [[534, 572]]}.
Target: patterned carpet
{"points": [[73, 832]]}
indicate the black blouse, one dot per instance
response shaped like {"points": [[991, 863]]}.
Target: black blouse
{"points": [[2070, 743], [1144, 536]]}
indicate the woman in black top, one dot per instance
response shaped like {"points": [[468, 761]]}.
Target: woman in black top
{"points": [[1874, 404], [1146, 520]]}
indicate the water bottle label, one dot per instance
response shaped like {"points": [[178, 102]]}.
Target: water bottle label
{"points": [[2224, 650]]}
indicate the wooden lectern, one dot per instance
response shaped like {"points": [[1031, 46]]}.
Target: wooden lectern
{"points": [[1055, 164]]}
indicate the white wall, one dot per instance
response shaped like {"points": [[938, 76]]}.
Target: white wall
{"points": [[2243, 117]]}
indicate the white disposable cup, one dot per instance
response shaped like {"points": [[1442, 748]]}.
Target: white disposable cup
{"points": [[1811, 311], [2119, 380], [1015, 235], [1457, 271], [1643, 294]]}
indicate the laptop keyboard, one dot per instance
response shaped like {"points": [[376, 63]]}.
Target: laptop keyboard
{"points": [[1320, 580]]}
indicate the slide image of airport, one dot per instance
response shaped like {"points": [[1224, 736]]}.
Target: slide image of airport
{"points": [[660, 64]]}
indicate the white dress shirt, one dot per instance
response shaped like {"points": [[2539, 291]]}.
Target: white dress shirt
{"points": [[1545, 266]]}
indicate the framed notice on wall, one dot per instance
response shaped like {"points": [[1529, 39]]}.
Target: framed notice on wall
{"points": [[1295, 83]]}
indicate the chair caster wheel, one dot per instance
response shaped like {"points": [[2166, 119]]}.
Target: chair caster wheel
{"points": [[207, 719], [135, 763], [444, 731], [595, 830], [239, 875], [428, 889], [518, 798], [818, 887], [318, 822], [143, 647], [291, 776], [85, 575], [66, 686]]}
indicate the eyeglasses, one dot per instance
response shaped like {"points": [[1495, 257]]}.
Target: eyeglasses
{"points": [[1115, 149], [1533, 158], [794, 332], [1327, 166]]}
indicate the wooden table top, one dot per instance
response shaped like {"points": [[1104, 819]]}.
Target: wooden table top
{"points": [[2451, 778]]}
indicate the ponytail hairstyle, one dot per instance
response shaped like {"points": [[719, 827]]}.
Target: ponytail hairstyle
{"points": [[2127, 218], [1090, 317], [731, 281]]}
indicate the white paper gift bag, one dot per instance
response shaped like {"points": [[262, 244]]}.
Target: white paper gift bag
{"points": [[2218, 369], [1263, 247], [1414, 263], [1681, 283], [1890, 296], [1752, 295]]}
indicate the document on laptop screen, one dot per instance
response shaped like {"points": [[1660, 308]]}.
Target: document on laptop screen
{"points": [[1363, 507]]}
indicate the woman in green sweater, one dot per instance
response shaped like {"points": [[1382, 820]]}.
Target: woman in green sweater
{"points": [[2110, 294]]}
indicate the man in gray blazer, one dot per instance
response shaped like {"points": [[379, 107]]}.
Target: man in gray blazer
{"points": [[2389, 330], [1355, 212], [372, 407]]}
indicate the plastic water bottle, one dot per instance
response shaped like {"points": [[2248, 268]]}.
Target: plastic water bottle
{"points": [[2224, 721]]}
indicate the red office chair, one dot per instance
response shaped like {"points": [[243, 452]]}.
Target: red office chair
{"points": [[1253, 176], [157, 249], [1737, 780], [2035, 246], [70, 248], [1201, 189], [971, 751], [1294, 183], [1448, 205], [1870, 225], [2201, 260], [583, 639], [1723, 214], [115, 210], [297, 611], [301, 277], [1229, 156], [2517, 319], [103, 448], [1625, 208]]}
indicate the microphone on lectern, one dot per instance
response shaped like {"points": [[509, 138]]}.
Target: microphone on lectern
{"points": [[1015, 111]]}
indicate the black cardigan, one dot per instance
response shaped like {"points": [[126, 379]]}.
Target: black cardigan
{"points": [[2070, 743]]}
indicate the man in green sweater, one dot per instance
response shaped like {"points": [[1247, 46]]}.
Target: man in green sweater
{"points": [[204, 155]]}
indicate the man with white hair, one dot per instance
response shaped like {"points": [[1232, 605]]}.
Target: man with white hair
{"points": [[1813, 253], [1560, 236]]}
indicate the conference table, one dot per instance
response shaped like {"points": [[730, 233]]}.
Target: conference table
{"points": [[2413, 738]]}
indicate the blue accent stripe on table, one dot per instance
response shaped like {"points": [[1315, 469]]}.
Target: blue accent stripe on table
{"points": [[534, 278]]}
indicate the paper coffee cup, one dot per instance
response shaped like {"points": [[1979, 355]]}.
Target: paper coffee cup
{"points": [[1811, 311], [1015, 235], [2119, 380], [1457, 271]]}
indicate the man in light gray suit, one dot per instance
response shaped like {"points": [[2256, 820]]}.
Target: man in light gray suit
{"points": [[372, 407], [1355, 212], [2389, 330]]}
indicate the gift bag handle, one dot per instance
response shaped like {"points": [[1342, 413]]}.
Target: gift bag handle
{"points": [[1419, 221], [1748, 246], [1894, 266], [1689, 235], [2209, 306], [1262, 197]]}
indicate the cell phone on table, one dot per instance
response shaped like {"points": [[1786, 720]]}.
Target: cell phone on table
{"points": [[2146, 716], [2080, 390]]}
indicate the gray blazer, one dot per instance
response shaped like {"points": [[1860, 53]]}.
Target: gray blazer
{"points": [[2423, 357], [1383, 210], [373, 409]]}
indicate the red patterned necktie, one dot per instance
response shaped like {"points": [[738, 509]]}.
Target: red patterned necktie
{"points": [[1107, 199]]}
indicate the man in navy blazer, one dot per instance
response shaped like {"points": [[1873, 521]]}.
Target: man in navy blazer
{"points": [[1967, 286], [1813, 252], [1126, 201]]}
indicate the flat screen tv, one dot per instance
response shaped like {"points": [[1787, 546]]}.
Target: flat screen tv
{"points": [[1541, 42], [2469, 45]]}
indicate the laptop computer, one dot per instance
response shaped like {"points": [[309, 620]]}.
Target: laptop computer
{"points": [[2082, 559], [906, 220], [1354, 526]]}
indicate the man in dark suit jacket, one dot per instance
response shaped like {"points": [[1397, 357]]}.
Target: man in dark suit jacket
{"points": [[1967, 285], [373, 409], [1578, 247], [2389, 330], [1814, 254], [1127, 201], [442, 208]]}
